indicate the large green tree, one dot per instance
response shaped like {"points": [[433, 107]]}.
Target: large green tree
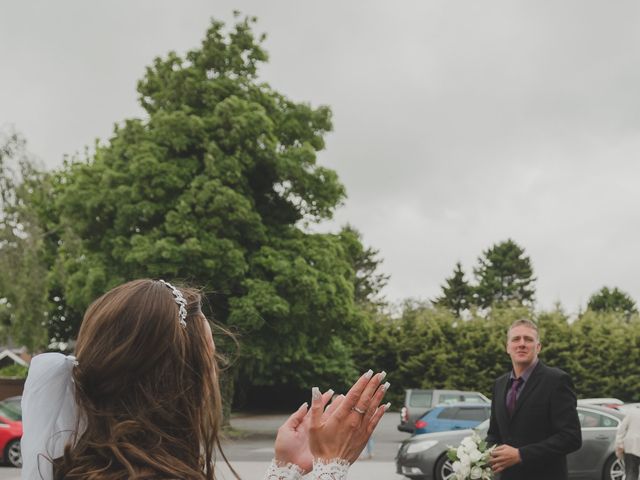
{"points": [[457, 294], [215, 186], [504, 276], [23, 283], [612, 300]]}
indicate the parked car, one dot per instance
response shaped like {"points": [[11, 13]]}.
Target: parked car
{"points": [[14, 403], [417, 401], [10, 433], [424, 457], [454, 416], [602, 402], [628, 406]]}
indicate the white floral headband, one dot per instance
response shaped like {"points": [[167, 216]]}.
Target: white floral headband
{"points": [[180, 300]]}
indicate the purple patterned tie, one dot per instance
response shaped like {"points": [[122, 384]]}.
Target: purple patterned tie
{"points": [[512, 395]]}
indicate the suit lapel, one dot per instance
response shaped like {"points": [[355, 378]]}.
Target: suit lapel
{"points": [[501, 407], [529, 386]]}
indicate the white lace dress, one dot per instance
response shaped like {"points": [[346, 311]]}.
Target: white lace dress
{"points": [[330, 470]]}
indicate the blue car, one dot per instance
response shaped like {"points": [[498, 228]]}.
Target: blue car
{"points": [[453, 416]]}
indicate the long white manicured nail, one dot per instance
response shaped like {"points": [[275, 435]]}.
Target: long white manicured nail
{"points": [[387, 406], [304, 405], [330, 392], [386, 386], [315, 393], [382, 375], [369, 374]]}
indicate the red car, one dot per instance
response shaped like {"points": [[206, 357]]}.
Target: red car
{"points": [[10, 432]]}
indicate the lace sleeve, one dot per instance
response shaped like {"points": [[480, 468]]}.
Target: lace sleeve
{"points": [[335, 469], [283, 471]]}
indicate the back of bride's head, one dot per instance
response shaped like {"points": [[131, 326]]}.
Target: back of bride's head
{"points": [[146, 387]]}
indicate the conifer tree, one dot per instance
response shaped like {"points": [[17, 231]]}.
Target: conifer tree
{"points": [[457, 294], [612, 300], [504, 276]]}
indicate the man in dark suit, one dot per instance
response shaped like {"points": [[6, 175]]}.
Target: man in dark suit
{"points": [[534, 420]]}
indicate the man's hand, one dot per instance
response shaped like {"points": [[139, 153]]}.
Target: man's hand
{"points": [[503, 457]]}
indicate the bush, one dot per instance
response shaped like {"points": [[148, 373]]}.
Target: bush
{"points": [[14, 371]]}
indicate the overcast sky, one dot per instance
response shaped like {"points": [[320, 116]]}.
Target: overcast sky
{"points": [[457, 124]]}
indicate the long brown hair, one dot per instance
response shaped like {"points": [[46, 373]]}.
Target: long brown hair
{"points": [[146, 387]]}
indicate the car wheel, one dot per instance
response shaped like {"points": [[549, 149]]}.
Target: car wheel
{"points": [[13, 454], [444, 469], [613, 469]]}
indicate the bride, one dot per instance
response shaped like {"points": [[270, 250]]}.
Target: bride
{"points": [[140, 400]]}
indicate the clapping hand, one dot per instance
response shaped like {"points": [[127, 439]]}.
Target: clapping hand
{"points": [[341, 431], [292, 441]]}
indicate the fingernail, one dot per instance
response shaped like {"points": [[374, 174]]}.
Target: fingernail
{"points": [[387, 406], [383, 374], [315, 393], [304, 405], [369, 374], [330, 392], [386, 386]]}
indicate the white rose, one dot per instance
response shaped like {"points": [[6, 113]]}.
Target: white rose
{"points": [[476, 473], [475, 456], [468, 443]]}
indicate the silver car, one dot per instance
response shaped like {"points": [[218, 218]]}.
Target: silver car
{"points": [[423, 457]]}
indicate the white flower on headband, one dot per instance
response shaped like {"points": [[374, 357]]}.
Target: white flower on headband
{"points": [[180, 300]]}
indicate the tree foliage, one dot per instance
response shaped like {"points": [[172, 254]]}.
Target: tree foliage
{"points": [[612, 300], [457, 294], [215, 187], [369, 280], [504, 276], [427, 347], [23, 283]]}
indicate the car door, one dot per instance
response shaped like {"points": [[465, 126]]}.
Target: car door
{"points": [[598, 436]]}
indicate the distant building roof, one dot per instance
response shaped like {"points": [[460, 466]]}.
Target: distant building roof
{"points": [[16, 358]]}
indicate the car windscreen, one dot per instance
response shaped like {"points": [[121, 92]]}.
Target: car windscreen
{"points": [[477, 414], [9, 411], [473, 399], [450, 413]]}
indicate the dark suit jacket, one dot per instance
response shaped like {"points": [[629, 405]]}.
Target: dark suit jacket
{"points": [[544, 426]]}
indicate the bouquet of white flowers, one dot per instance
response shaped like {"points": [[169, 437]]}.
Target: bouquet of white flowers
{"points": [[471, 459]]}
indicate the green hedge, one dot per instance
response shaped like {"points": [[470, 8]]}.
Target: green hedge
{"points": [[14, 371], [431, 348]]}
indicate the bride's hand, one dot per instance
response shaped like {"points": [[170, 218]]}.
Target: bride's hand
{"points": [[292, 441], [342, 430]]}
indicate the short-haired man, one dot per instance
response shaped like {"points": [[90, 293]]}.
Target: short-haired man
{"points": [[534, 420]]}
